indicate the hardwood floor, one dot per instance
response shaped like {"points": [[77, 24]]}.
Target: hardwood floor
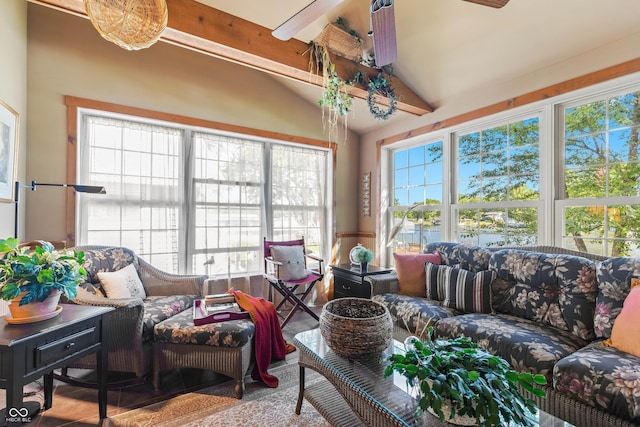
{"points": [[76, 406]]}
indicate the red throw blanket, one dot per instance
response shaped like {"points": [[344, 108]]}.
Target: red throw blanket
{"points": [[269, 340]]}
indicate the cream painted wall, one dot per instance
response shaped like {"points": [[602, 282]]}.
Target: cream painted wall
{"points": [[13, 86], [68, 57], [600, 57]]}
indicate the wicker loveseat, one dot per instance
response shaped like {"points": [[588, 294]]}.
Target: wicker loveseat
{"points": [[131, 325], [550, 311]]}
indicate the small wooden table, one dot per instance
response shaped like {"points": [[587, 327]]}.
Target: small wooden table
{"points": [[348, 280], [33, 350]]}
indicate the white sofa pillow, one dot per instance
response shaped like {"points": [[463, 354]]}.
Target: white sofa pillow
{"points": [[123, 283], [292, 259]]}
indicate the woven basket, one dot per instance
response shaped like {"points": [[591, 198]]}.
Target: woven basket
{"points": [[340, 42], [356, 328], [131, 24]]}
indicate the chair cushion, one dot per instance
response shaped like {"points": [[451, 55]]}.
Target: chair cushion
{"points": [[558, 290], [109, 259], [411, 273], [469, 257], [603, 377], [526, 345], [160, 308], [124, 283], [626, 329], [414, 314], [180, 329], [292, 259]]}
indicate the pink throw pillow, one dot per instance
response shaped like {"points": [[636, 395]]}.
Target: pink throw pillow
{"points": [[411, 274]]}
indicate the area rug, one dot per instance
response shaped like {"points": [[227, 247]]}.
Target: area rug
{"points": [[217, 406]]}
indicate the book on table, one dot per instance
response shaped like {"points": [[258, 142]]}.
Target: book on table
{"points": [[217, 308]]}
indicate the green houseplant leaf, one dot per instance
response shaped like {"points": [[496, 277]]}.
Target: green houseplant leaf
{"points": [[37, 273], [457, 374]]}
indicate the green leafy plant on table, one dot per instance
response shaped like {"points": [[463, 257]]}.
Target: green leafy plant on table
{"points": [[39, 271], [364, 256], [470, 381]]}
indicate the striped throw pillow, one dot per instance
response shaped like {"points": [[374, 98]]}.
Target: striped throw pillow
{"points": [[460, 289]]}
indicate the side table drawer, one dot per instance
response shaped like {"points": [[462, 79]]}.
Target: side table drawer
{"points": [[344, 288], [56, 350]]}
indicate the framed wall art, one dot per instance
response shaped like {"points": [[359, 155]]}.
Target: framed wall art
{"points": [[9, 131]]}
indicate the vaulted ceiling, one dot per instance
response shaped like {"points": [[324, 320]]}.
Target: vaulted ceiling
{"points": [[447, 49]]}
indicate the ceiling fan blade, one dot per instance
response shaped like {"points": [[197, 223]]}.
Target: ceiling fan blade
{"points": [[383, 27], [306, 16], [491, 3]]}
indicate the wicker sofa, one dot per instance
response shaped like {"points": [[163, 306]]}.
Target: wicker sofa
{"points": [[550, 310], [131, 325]]}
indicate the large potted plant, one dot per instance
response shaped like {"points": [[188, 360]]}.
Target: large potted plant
{"points": [[33, 279], [458, 381]]}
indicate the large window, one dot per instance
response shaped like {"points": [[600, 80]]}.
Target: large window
{"points": [[498, 184], [199, 201], [418, 180], [563, 172], [600, 211]]}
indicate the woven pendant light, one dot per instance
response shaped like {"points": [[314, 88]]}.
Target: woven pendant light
{"points": [[131, 24]]}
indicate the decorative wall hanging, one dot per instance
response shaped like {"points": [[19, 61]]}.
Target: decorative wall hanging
{"points": [[366, 194], [131, 24]]}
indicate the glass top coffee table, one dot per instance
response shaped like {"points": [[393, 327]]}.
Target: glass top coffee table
{"points": [[357, 393]]}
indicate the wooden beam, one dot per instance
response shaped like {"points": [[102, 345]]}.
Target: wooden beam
{"points": [[198, 27]]}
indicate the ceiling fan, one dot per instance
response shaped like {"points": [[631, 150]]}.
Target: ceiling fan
{"points": [[383, 26]]}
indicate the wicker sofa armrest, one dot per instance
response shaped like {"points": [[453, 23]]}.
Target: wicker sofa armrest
{"points": [[383, 283], [160, 283], [87, 298]]}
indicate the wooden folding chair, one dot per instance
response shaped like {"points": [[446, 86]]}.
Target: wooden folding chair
{"points": [[278, 269]]}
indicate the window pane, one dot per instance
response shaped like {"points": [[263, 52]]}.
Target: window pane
{"points": [[468, 144], [469, 167], [504, 169], [602, 151], [623, 110], [585, 119], [494, 139], [416, 156]]}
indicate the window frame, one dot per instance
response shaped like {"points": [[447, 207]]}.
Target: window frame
{"points": [[561, 203], [77, 106]]}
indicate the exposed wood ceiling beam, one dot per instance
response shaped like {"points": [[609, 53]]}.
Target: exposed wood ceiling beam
{"points": [[198, 27]]}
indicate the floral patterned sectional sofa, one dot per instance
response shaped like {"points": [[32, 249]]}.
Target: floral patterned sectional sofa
{"points": [[546, 313]]}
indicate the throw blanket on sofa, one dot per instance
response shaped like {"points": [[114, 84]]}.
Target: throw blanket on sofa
{"points": [[269, 340]]}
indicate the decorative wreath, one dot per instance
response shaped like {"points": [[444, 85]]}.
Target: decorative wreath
{"points": [[380, 85]]}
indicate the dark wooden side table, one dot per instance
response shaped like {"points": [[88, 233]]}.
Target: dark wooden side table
{"points": [[33, 350], [348, 280]]}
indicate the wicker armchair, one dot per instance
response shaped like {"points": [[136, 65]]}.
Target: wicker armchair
{"points": [[130, 328]]}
